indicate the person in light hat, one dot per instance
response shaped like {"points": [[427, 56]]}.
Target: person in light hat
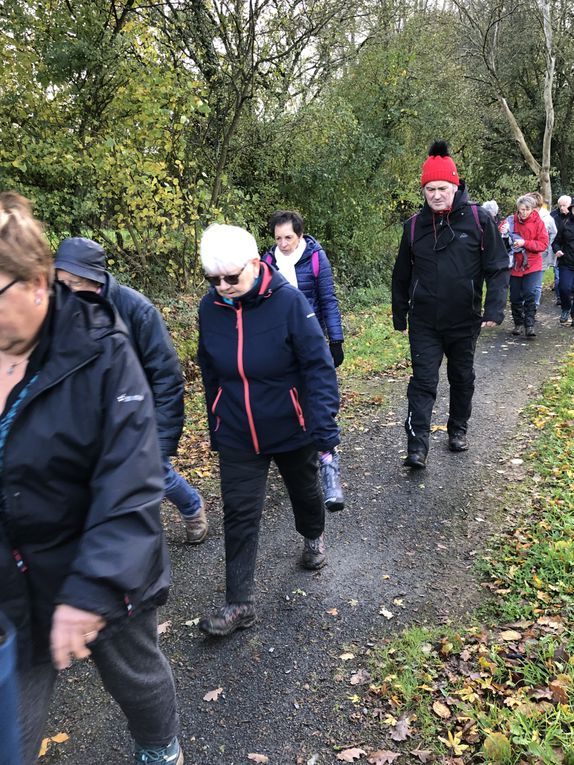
{"points": [[447, 251]]}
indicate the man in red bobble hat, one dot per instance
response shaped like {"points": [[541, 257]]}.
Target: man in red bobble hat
{"points": [[448, 250]]}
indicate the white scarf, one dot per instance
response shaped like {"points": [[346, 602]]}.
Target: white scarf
{"points": [[286, 263]]}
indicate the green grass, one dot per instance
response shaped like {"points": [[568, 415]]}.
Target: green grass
{"points": [[507, 685]]}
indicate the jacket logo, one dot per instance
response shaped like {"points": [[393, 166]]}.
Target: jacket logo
{"points": [[125, 398], [309, 315], [463, 236]]}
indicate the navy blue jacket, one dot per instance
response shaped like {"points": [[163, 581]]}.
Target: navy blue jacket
{"points": [[82, 480], [320, 291], [439, 276], [269, 379], [158, 357]]}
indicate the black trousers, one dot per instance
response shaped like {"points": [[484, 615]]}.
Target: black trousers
{"points": [[427, 350], [243, 487]]}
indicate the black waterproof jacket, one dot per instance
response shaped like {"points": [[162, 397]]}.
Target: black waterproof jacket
{"points": [[438, 278], [158, 357], [82, 480], [269, 379], [564, 240]]}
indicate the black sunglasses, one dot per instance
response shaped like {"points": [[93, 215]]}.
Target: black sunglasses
{"points": [[231, 279], [7, 287]]}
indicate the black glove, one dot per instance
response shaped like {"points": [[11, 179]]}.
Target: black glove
{"points": [[336, 349]]}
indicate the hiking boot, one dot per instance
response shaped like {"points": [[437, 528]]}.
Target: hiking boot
{"points": [[196, 526], [564, 316], [417, 460], [314, 553], [231, 617], [331, 483], [457, 442], [517, 329], [170, 754], [530, 332]]}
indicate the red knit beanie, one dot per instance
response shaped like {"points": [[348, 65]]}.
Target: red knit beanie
{"points": [[439, 166]]}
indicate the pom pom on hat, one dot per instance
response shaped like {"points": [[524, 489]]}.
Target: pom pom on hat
{"points": [[439, 166]]}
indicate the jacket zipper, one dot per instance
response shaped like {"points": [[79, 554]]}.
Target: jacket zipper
{"points": [[245, 380], [297, 406]]}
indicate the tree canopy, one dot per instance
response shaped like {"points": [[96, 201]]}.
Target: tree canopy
{"points": [[139, 123]]}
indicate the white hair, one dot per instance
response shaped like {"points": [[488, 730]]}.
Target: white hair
{"points": [[564, 198], [226, 249], [491, 207]]}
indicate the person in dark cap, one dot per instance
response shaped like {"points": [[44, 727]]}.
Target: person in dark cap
{"points": [[81, 265], [448, 250]]}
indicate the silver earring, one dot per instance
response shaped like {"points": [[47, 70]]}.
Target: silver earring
{"points": [[37, 300]]}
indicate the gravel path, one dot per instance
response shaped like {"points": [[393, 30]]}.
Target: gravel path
{"points": [[405, 544]]}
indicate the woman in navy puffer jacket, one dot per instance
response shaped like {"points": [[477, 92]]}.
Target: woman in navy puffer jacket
{"points": [[303, 262]]}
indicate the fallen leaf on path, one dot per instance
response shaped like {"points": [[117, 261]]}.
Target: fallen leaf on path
{"points": [[402, 730], [382, 757], [213, 695], [510, 635], [163, 628], [347, 656], [350, 755], [435, 428], [261, 758], [424, 755], [59, 738], [441, 710], [386, 613], [332, 612], [361, 677]]}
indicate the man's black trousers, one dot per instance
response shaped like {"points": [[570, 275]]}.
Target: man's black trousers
{"points": [[428, 346]]}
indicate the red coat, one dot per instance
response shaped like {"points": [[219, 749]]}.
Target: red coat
{"points": [[535, 236]]}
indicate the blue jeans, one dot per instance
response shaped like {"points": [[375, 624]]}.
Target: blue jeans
{"points": [[565, 288], [523, 291], [177, 490]]}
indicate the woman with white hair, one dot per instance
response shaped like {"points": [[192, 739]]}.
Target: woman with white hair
{"points": [[271, 394]]}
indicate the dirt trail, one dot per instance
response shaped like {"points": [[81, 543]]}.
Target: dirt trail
{"points": [[410, 537]]}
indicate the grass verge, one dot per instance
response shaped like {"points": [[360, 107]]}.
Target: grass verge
{"points": [[501, 691]]}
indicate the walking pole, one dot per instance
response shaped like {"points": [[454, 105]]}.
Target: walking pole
{"points": [[9, 724]]}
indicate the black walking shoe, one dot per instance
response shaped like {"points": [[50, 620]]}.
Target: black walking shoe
{"points": [[530, 332], [457, 442], [416, 460], [314, 553], [231, 617], [517, 329]]}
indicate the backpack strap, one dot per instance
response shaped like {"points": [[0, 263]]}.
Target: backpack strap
{"points": [[267, 258], [474, 208], [315, 263], [413, 222]]}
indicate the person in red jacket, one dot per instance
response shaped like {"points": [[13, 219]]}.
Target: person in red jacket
{"points": [[529, 242]]}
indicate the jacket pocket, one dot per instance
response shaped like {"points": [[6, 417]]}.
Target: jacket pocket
{"points": [[297, 406]]}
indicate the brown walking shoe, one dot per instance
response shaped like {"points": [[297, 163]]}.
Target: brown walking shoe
{"points": [[231, 617], [196, 526], [314, 553]]}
